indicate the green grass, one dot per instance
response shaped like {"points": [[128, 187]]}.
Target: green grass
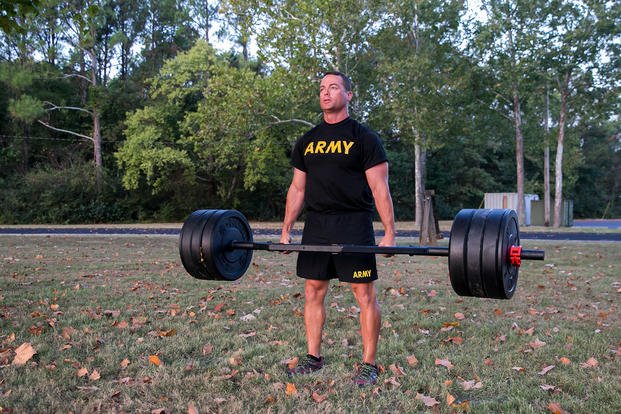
{"points": [[93, 302]]}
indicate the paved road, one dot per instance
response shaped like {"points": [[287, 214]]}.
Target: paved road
{"points": [[524, 235]]}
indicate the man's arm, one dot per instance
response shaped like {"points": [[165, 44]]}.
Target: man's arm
{"points": [[377, 177], [293, 206]]}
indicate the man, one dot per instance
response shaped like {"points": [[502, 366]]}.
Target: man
{"points": [[340, 171]]}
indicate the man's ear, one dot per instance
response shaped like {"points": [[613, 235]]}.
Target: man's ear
{"points": [[350, 95]]}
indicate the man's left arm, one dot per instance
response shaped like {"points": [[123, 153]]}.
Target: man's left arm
{"points": [[377, 177]]}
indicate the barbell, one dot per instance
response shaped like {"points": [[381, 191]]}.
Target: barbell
{"points": [[484, 252]]}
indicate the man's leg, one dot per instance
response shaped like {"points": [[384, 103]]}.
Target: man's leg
{"points": [[370, 319], [314, 313]]}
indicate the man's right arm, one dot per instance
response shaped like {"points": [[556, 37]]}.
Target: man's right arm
{"points": [[294, 203]]}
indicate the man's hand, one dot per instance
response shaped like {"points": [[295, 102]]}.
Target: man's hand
{"points": [[388, 240], [285, 238]]}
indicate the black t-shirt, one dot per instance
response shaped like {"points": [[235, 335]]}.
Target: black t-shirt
{"points": [[335, 158]]}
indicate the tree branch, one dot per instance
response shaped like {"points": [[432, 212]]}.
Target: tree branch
{"points": [[53, 107], [77, 75], [66, 131], [292, 120]]}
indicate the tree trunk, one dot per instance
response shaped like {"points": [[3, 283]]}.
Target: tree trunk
{"points": [[519, 155], [558, 166], [546, 164], [96, 124], [420, 161]]}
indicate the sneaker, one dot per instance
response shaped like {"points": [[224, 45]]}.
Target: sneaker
{"points": [[306, 365], [366, 375]]}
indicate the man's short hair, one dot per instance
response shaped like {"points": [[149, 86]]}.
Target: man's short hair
{"points": [[346, 80]]}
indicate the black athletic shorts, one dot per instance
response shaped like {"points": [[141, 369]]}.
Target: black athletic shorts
{"points": [[346, 228]]}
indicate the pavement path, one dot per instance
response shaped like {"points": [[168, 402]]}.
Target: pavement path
{"points": [[524, 234]]}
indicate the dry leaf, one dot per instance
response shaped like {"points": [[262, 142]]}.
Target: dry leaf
{"points": [[319, 398], [290, 390], [207, 349], [170, 332], [459, 316], [397, 370], [590, 363], [23, 353], [124, 363], [546, 370], [54, 306], [537, 344], [444, 362], [488, 362], [292, 363], [82, 372], [392, 381], [428, 401], [564, 360], [155, 360], [555, 408], [192, 409], [412, 361], [94, 375], [472, 385], [449, 399], [518, 369]]}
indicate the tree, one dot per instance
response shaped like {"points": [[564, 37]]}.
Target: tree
{"points": [[505, 41], [575, 53], [419, 73]]}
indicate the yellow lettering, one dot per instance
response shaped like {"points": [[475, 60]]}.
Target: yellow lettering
{"points": [[309, 148], [334, 146], [320, 146], [347, 146], [362, 273]]}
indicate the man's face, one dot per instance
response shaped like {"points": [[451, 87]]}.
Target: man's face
{"points": [[332, 94]]}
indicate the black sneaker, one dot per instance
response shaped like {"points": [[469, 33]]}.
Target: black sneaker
{"points": [[306, 365], [366, 375]]}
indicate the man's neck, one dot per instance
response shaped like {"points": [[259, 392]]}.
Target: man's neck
{"points": [[335, 117]]}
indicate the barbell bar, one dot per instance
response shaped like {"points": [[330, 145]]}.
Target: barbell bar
{"points": [[484, 254]]}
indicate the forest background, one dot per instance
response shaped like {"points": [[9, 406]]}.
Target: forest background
{"points": [[126, 110]]}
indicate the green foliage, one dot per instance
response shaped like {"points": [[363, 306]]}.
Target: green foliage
{"points": [[12, 11], [64, 195], [26, 108]]}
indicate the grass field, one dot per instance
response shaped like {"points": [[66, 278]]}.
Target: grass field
{"points": [[114, 324]]}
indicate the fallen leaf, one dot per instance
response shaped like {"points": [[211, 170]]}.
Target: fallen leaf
{"points": [[207, 349], [292, 363], [192, 409], [124, 363], [428, 401], [547, 369], [218, 307], [537, 344], [449, 399], [82, 372], [488, 362], [155, 360], [564, 360], [392, 381], [319, 398], [54, 306], [432, 294], [170, 332], [397, 370], [590, 363], [555, 408], [412, 361], [23, 353], [290, 390], [472, 385], [550, 388], [459, 316], [518, 369], [444, 362], [94, 375]]}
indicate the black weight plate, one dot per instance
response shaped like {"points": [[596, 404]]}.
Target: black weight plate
{"points": [[457, 252], [510, 237], [196, 245], [205, 251], [193, 267], [222, 229], [474, 253], [491, 267]]}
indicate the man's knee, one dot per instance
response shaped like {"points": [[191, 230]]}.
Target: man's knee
{"points": [[365, 294], [315, 290]]}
